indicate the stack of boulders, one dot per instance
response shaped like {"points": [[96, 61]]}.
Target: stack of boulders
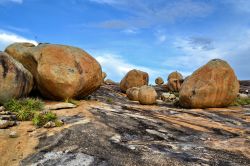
{"points": [[134, 78], [57, 71], [7, 118], [175, 80]]}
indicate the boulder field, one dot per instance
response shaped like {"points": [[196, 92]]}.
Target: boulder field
{"points": [[60, 71]]}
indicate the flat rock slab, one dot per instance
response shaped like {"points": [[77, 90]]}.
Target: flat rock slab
{"points": [[59, 106]]}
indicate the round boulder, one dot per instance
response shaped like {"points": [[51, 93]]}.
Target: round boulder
{"points": [[213, 85], [134, 78], [60, 71], [132, 93], [147, 95], [15, 80], [159, 81], [175, 79]]}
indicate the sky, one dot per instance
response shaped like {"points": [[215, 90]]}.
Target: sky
{"points": [[156, 36]]}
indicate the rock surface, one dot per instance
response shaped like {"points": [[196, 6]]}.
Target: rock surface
{"points": [[147, 95], [124, 133], [60, 106], [134, 78], [175, 79], [15, 80], [159, 81], [60, 71], [213, 85], [132, 93]]}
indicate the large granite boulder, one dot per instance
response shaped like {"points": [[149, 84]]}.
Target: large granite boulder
{"points": [[60, 71], [134, 78], [175, 79], [15, 80], [213, 85], [147, 95]]}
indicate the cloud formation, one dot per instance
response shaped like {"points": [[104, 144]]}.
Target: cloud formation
{"points": [[145, 13], [7, 38]]}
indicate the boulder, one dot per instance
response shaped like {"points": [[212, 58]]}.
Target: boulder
{"points": [[104, 75], [168, 97], [134, 78], [110, 82], [175, 79], [242, 95], [60, 71], [147, 95], [132, 93], [213, 85], [159, 81], [15, 80]]}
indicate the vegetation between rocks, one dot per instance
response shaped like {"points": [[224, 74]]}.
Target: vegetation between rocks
{"points": [[31, 109], [241, 101]]}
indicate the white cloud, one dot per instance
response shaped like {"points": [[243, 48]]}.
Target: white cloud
{"points": [[116, 67], [9, 1], [195, 54], [7, 38]]}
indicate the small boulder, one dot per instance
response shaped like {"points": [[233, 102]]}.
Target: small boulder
{"points": [[104, 75], [213, 85], [132, 93], [134, 78], [50, 124], [60, 71], [159, 81], [147, 95], [175, 79], [15, 80], [4, 124], [110, 82], [242, 96], [13, 134], [168, 97]]}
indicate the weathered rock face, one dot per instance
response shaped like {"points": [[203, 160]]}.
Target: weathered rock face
{"points": [[15, 80], [134, 78], [159, 81], [147, 95], [132, 93], [60, 71], [213, 85], [175, 79]]}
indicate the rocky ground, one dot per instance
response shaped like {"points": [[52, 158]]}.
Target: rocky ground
{"points": [[108, 129]]}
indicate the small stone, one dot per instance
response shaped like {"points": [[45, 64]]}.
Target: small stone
{"points": [[242, 96], [13, 134], [30, 130], [4, 124], [2, 109], [159, 102], [49, 125], [116, 138]]}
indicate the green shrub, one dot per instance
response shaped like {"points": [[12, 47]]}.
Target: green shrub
{"points": [[72, 101], [241, 101], [24, 108], [109, 100], [42, 118]]}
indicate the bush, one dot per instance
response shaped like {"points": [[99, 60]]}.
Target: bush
{"points": [[24, 108], [241, 101], [42, 118]]}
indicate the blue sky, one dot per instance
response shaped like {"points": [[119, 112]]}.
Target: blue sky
{"points": [[157, 36]]}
